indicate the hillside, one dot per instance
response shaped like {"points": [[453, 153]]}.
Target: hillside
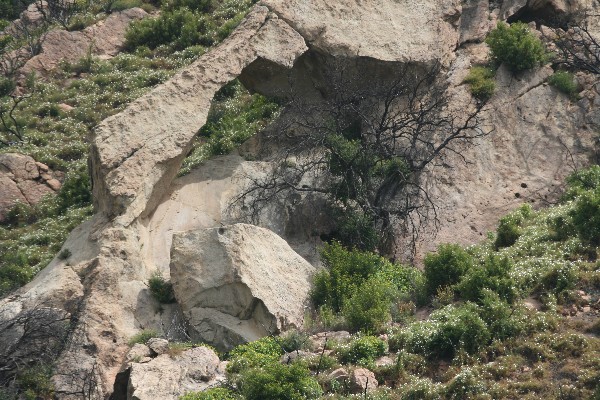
{"points": [[387, 200]]}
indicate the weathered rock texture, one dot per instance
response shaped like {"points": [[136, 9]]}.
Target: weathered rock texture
{"points": [[104, 39], [138, 152], [167, 377], [238, 283], [24, 180], [539, 137]]}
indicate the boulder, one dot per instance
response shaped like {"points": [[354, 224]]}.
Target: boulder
{"points": [[104, 39], [238, 283], [167, 378], [362, 380], [23, 180], [158, 345], [474, 21]]}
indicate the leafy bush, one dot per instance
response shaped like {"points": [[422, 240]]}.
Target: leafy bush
{"points": [[212, 394], [565, 82], [581, 181], [509, 227], [368, 308], [447, 331], [161, 289], [516, 46], [76, 190], [465, 384], [362, 350], [586, 216], [143, 336], [493, 275], [294, 340], [356, 229], [254, 354], [179, 28], [277, 381], [446, 267], [482, 82]]}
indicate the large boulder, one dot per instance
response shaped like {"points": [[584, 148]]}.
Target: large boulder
{"points": [[168, 377], [24, 180], [237, 283], [103, 39]]}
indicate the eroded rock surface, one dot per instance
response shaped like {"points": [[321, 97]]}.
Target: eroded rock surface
{"points": [[237, 283], [167, 377], [103, 39], [24, 180], [137, 153]]}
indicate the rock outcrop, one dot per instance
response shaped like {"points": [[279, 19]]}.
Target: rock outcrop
{"points": [[24, 180], [166, 376], [104, 39], [137, 153], [238, 283]]}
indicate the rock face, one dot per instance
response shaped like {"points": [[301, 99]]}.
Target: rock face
{"points": [[166, 377], [259, 283], [104, 39], [237, 283], [138, 152], [24, 180]]}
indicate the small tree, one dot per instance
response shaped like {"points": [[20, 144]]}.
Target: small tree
{"points": [[516, 46], [577, 48], [363, 149]]}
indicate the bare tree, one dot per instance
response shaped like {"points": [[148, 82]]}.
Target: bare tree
{"points": [[364, 147], [577, 47]]}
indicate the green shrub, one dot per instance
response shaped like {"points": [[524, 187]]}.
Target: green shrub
{"points": [[565, 82], [581, 181], [212, 394], [76, 190], [178, 28], [503, 320], [466, 384], [446, 267], [560, 277], [254, 354], [36, 382], [482, 82], [143, 336], [161, 289], [509, 227], [367, 309], [586, 216], [356, 229], [448, 331], [362, 350], [494, 275], [516, 46], [294, 340], [120, 5], [277, 381]]}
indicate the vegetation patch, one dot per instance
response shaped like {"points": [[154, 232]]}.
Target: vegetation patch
{"points": [[516, 46]]}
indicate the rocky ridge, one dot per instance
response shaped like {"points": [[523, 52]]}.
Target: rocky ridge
{"points": [[136, 155]]}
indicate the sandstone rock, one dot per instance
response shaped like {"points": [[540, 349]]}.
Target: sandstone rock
{"points": [[102, 39], [386, 30], [138, 151], [168, 378], [137, 353], [362, 380], [238, 283], [22, 167], [474, 22], [294, 355], [158, 345], [384, 361], [54, 184], [21, 181], [339, 375]]}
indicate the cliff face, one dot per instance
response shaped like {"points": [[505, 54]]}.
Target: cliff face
{"points": [[539, 136]]}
